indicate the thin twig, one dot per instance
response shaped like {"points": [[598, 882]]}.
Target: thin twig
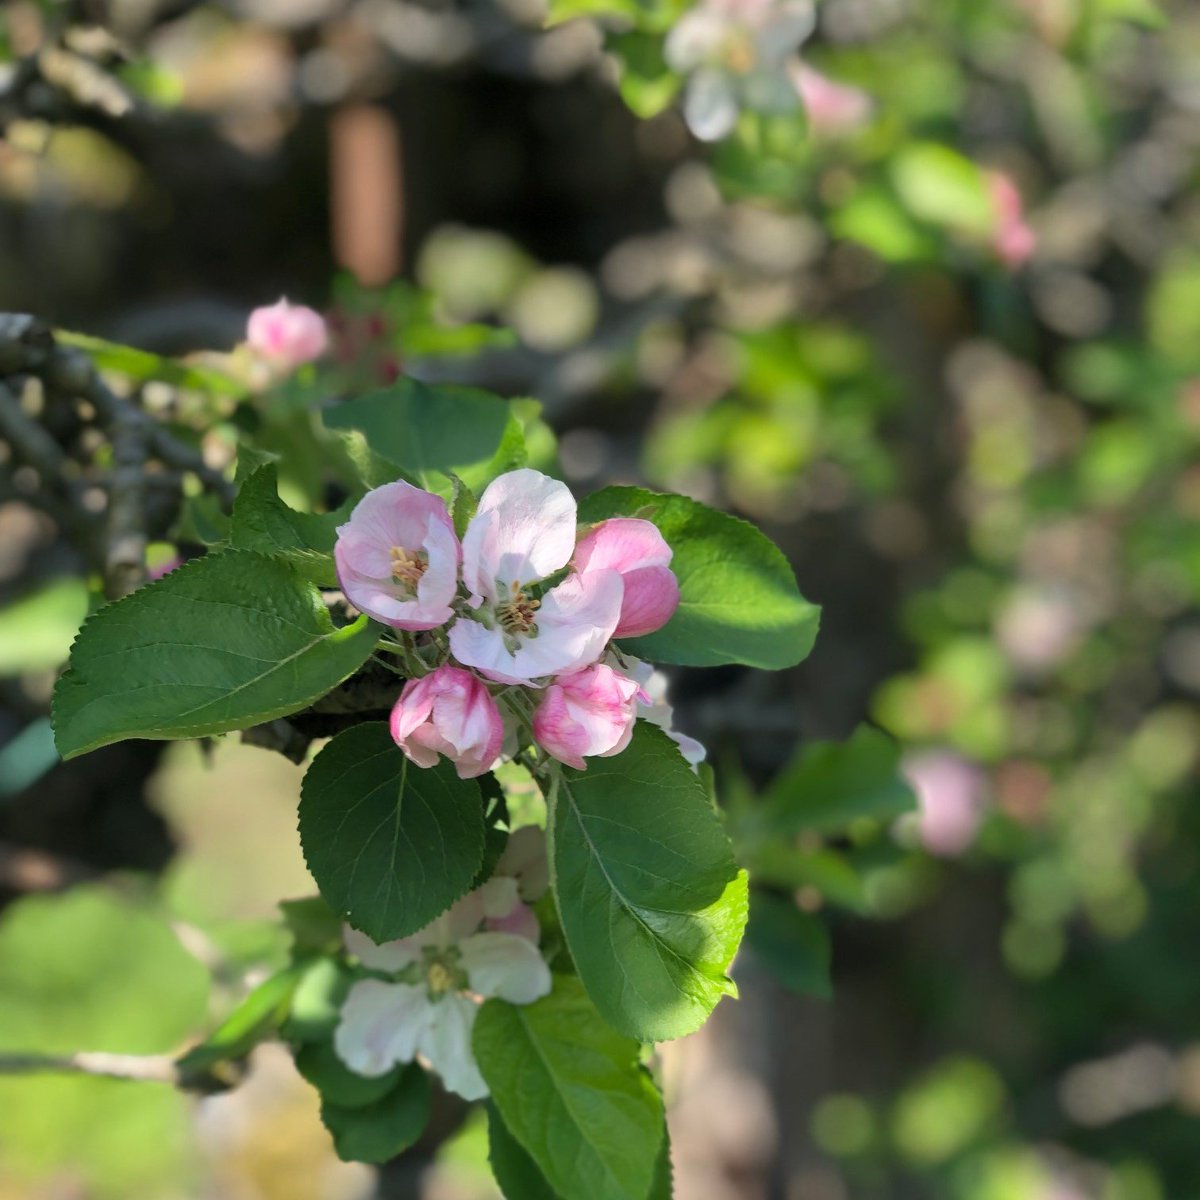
{"points": [[125, 535], [147, 1068]]}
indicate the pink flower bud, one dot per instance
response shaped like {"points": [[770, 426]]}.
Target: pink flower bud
{"points": [[589, 713], [640, 555], [448, 712], [288, 334], [1013, 240]]}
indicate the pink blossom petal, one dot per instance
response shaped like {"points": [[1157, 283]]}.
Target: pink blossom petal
{"points": [[522, 531]]}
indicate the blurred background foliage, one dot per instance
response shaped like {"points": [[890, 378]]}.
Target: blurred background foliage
{"points": [[983, 460]]}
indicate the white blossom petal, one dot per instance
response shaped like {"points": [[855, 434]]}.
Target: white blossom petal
{"points": [[506, 966], [523, 531], [695, 37], [710, 106], [786, 25], [446, 1044], [381, 1025], [385, 956]]}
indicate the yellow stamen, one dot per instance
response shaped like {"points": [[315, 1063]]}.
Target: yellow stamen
{"points": [[439, 978], [407, 568]]}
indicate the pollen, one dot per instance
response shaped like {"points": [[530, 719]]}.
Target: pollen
{"points": [[439, 978], [518, 614], [407, 568]]}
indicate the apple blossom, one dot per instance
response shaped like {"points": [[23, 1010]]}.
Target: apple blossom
{"points": [[950, 800], [640, 554], [504, 911], [450, 712], [586, 714], [736, 52], [832, 108], [287, 334], [397, 557], [518, 629], [440, 975]]}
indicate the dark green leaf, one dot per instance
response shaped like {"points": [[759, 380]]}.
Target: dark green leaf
{"points": [[377, 1132], [319, 1063], [738, 597], [391, 845], [572, 1093], [423, 429], [793, 944], [314, 926], [829, 785], [261, 521], [224, 642], [652, 904]]}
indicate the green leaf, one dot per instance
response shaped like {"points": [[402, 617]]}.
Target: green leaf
{"points": [[317, 1001], [141, 366], [738, 597], [793, 944], [262, 521], [319, 1063], [314, 926], [779, 864], [1145, 13], [391, 845], [652, 904], [572, 1093], [515, 1172], [647, 84], [422, 429], [224, 642], [829, 785], [377, 1132], [943, 187], [252, 1021]]}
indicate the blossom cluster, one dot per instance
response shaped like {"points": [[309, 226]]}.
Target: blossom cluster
{"points": [[515, 620], [423, 991], [742, 55]]}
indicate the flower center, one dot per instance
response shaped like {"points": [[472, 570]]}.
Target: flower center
{"points": [[518, 615], [442, 972], [407, 567], [439, 978], [739, 53]]}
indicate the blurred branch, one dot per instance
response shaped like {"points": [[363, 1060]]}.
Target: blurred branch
{"points": [[28, 349], [148, 1068]]}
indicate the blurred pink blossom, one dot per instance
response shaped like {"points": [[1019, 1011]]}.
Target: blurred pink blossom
{"points": [[287, 334], [1038, 628], [832, 108], [950, 798], [1013, 240]]}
